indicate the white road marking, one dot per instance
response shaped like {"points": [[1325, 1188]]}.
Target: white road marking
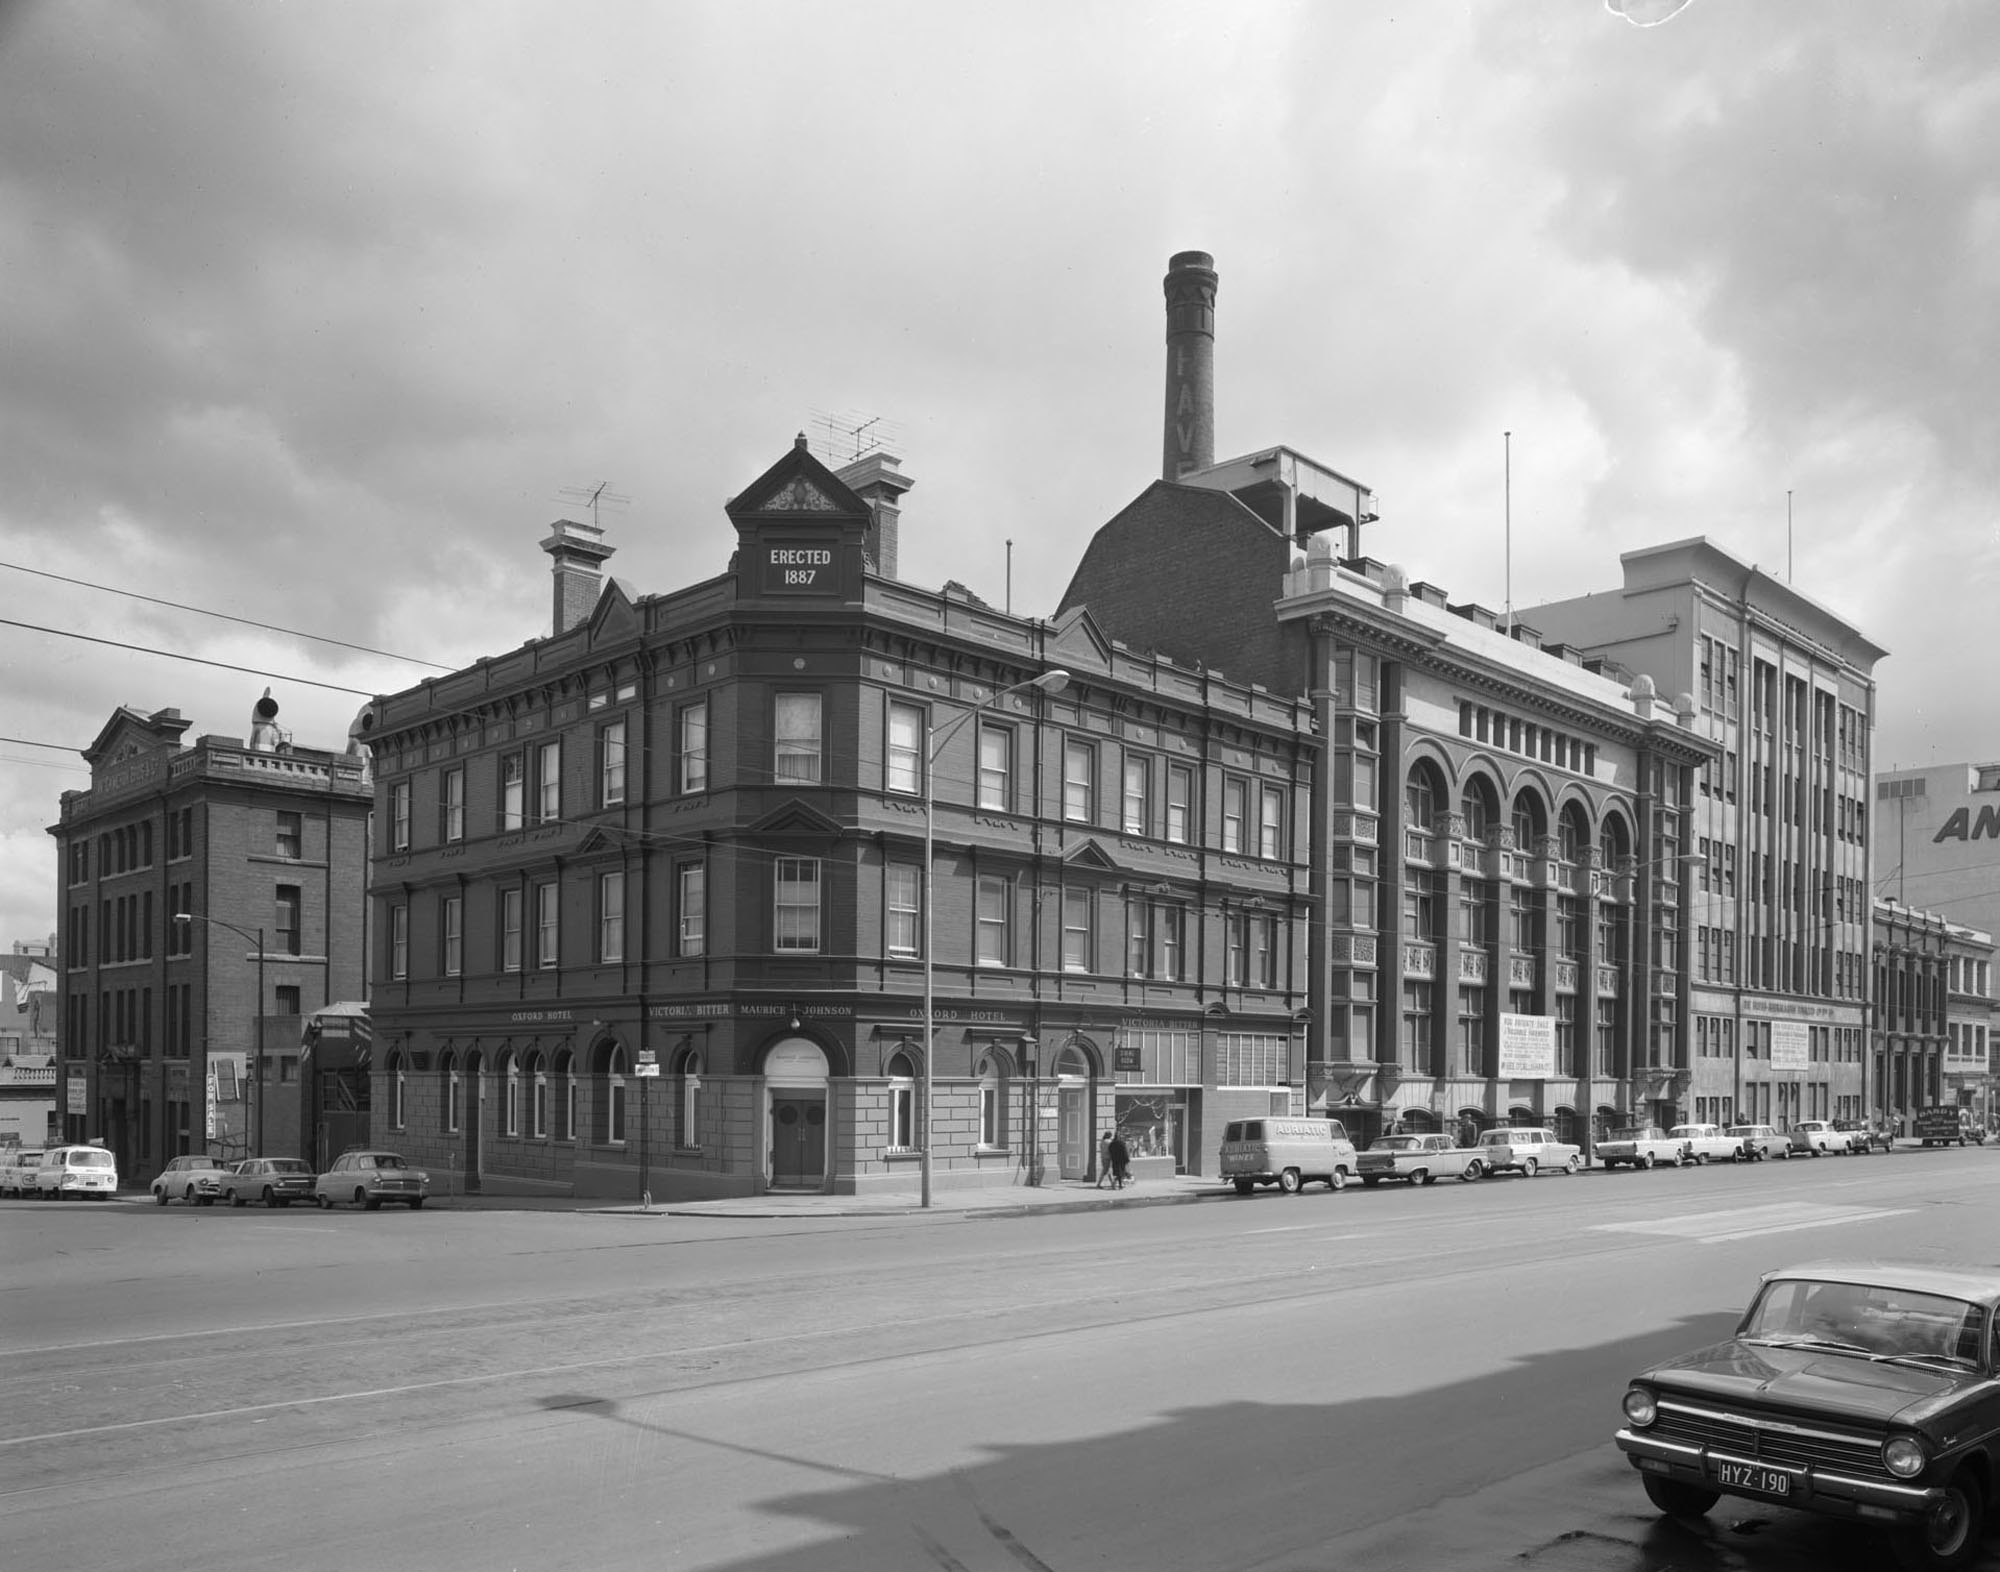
{"points": [[1747, 1222]]}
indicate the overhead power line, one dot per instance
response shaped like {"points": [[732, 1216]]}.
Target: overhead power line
{"points": [[195, 660]]}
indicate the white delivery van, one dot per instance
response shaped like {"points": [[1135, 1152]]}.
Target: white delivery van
{"points": [[76, 1170], [1287, 1153]]}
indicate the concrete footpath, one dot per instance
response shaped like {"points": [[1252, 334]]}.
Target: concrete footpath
{"points": [[1061, 1195]]}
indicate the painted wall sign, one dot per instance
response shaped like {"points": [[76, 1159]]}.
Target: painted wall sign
{"points": [[1527, 1047], [1962, 826], [1791, 1045], [800, 570]]}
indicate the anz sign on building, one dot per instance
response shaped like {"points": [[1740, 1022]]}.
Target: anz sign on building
{"points": [[1937, 841]]}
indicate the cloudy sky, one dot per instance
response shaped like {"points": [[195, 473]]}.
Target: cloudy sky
{"points": [[315, 313]]}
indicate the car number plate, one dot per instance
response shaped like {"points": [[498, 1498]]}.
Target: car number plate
{"points": [[1746, 1476]]}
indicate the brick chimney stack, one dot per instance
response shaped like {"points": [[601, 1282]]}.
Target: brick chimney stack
{"points": [[1190, 435], [875, 480], [579, 552]]}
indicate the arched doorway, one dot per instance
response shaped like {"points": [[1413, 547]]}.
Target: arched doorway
{"points": [[1073, 1072], [795, 1084]]}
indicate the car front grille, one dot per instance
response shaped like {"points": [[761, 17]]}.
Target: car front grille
{"points": [[1776, 1441]]}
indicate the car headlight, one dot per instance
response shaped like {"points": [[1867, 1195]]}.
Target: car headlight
{"points": [[1641, 1407], [1903, 1456]]}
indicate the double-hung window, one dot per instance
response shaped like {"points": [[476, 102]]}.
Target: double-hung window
{"points": [[691, 915], [904, 906], [611, 916], [1180, 797], [399, 816], [399, 941], [546, 952], [993, 921], [611, 763], [797, 756], [1079, 780], [1078, 935], [513, 792], [1271, 822], [290, 909], [1138, 793], [796, 914], [510, 930], [691, 747], [548, 781], [451, 804], [290, 838], [1138, 939], [903, 767], [451, 935], [1235, 809], [996, 767]]}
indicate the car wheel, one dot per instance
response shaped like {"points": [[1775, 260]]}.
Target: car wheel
{"points": [[1677, 1498], [236, 1198], [1949, 1536], [325, 1201], [1419, 1176], [1529, 1168], [1473, 1170], [418, 1204], [1680, 1159], [1575, 1162], [1289, 1181], [1784, 1154], [270, 1199], [159, 1195], [1644, 1160], [366, 1201], [1337, 1180], [1245, 1186], [187, 1195]]}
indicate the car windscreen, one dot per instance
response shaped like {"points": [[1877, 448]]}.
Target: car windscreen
{"points": [[1886, 1321]]}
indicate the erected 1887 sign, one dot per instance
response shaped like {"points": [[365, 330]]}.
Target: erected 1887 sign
{"points": [[1527, 1047]]}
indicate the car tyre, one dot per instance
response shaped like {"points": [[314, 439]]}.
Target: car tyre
{"points": [[1575, 1162], [1337, 1180], [1529, 1168], [1245, 1186], [187, 1195], [160, 1196], [1473, 1170], [1949, 1537], [236, 1198], [366, 1201], [1419, 1176], [1289, 1181], [270, 1199], [1677, 1498], [325, 1201]]}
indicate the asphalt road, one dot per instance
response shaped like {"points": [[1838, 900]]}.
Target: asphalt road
{"points": [[1395, 1379]]}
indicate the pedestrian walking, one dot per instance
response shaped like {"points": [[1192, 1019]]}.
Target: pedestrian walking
{"points": [[1120, 1162], [1104, 1160]]}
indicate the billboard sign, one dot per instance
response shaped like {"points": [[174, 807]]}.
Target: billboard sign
{"points": [[1527, 1047]]}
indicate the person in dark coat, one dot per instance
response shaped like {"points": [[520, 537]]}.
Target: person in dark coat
{"points": [[1121, 1161], [1103, 1160]]}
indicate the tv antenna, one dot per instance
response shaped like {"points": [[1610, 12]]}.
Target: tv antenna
{"points": [[853, 435], [595, 497]]}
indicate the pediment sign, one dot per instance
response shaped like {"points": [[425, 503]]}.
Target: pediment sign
{"points": [[795, 818], [801, 496]]}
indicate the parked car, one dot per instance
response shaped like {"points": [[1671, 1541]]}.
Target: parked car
{"points": [[1288, 1153], [1820, 1138], [195, 1179], [1706, 1143], [1421, 1159], [1872, 1136], [276, 1181], [1642, 1146], [1526, 1150], [1757, 1142], [76, 1170], [370, 1178], [1866, 1393], [17, 1172]]}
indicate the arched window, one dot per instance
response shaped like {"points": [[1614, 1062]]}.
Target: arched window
{"points": [[688, 1128], [399, 1091], [1613, 844], [1528, 821], [510, 1094], [454, 1094], [1480, 809], [992, 1073], [566, 1096], [902, 1102], [1420, 796], [1572, 833], [538, 1097], [612, 1072]]}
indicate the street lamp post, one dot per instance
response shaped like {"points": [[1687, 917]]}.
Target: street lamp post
{"points": [[256, 1026], [1048, 682]]}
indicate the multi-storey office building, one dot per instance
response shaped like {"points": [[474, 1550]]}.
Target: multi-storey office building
{"points": [[1933, 986], [653, 912], [1937, 835], [1778, 918], [166, 1025]]}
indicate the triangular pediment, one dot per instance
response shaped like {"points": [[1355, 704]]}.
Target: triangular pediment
{"points": [[1078, 643], [795, 818], [1089, 854], [613, 618], [598, 842], [798, 488], [128, 733]]}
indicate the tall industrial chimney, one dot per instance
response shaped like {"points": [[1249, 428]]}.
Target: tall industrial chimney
{"points": [[1190, 434]]}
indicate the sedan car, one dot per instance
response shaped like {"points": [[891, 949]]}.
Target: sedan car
{"points": [[276, 1181], [1757, 1142], [1820, 1138], [195, 1179], [370, 1178], [1862, 1392], [1870, 1137]]}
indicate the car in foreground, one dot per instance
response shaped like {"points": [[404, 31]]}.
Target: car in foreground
{"points": [[1867, 1392], [1642, 1146], [368, 1178], [1526, 1150], [1822, 1138], [195, 1179], [1756, 1143], [275, 1181], [1421, 1159], [17, 1172]]}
